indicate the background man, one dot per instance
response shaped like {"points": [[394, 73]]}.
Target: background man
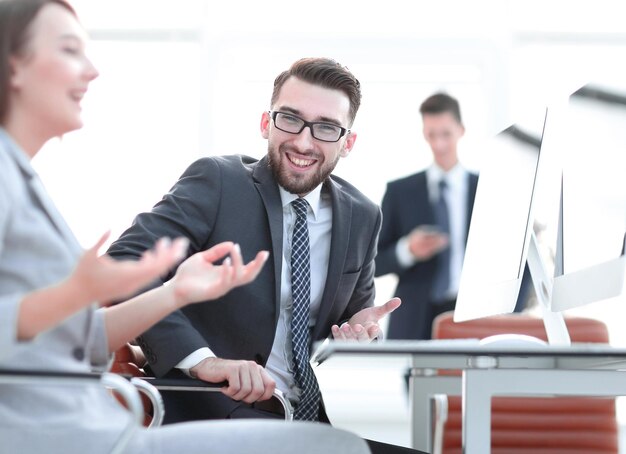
{"points": [[426, 218]]}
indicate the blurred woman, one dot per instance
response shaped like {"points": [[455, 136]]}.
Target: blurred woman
{"points": [[51, 290]]}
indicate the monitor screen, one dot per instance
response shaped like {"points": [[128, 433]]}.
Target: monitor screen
{"points": [[502, 220]]}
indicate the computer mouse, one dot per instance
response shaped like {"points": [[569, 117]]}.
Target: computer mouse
{"points": [[512, 340]]}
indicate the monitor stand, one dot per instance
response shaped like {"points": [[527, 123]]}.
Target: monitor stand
{"points": [[556, 330], [568, 290]]}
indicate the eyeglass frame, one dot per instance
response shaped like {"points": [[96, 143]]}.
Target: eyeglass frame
{"points": [[309, 124]]}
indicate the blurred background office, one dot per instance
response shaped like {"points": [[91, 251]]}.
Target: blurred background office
{"points": [[189, 78]]}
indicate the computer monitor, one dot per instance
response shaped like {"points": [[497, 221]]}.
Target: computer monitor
{"points": [[518, 181], [594, 219], [502, 222]]}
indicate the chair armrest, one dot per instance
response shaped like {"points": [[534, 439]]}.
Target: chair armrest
{"points": [[22, 377], [57, 378], [155, 398], [192, 384]]}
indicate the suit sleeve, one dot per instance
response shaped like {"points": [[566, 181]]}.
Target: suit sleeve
{"points": [[188, 210], [386, 259]]}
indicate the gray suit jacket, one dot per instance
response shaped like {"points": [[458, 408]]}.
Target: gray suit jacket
{"points": [[37, 249], [236, 198]]}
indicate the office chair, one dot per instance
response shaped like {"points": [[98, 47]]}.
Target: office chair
{"points": [[129, 361], [524, 425]]}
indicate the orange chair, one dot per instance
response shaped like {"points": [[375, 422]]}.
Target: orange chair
{"points": [[129, 361], [542, 425]]}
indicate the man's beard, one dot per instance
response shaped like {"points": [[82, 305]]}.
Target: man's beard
{"points": [[294, 183]]}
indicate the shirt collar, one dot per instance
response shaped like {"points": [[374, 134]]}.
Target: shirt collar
{"points": [[312, 198], [453, 177], [16, 153]]}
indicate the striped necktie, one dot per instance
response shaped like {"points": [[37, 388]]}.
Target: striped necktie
{"points": [[308, 408]]}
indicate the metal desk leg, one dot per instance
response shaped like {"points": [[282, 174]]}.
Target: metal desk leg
{"points": [[423, 384], [477, 392]]}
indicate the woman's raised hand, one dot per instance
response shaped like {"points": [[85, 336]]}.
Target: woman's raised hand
{"points": [[103, 279], [199, 279]]}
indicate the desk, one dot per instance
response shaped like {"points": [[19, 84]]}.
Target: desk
{"points": [[491, 370]]}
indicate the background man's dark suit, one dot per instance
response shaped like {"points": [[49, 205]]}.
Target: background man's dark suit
{"points": [[406, 205], [235, 198]]}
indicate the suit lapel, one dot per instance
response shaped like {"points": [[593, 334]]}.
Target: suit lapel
{"points": [[424, 211], [340, 236], [39, 194], [268, 190]]}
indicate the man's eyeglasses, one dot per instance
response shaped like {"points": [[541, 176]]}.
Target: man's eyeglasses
{"points": [[326, 132]]}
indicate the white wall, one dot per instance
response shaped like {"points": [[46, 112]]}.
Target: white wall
{"points": [[181, 80]]}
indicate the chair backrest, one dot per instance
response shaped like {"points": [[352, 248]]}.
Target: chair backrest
{"points": [[129, 360], [542, 425]]}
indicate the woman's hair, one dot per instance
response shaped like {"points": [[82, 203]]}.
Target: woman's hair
{"points": [[16, 17], [326, 73]]}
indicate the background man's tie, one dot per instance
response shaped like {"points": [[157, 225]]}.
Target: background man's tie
{"points": [[442, 276]]}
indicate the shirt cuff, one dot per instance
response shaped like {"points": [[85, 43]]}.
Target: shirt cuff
{"points": [[194, 358], [403, 253]]}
